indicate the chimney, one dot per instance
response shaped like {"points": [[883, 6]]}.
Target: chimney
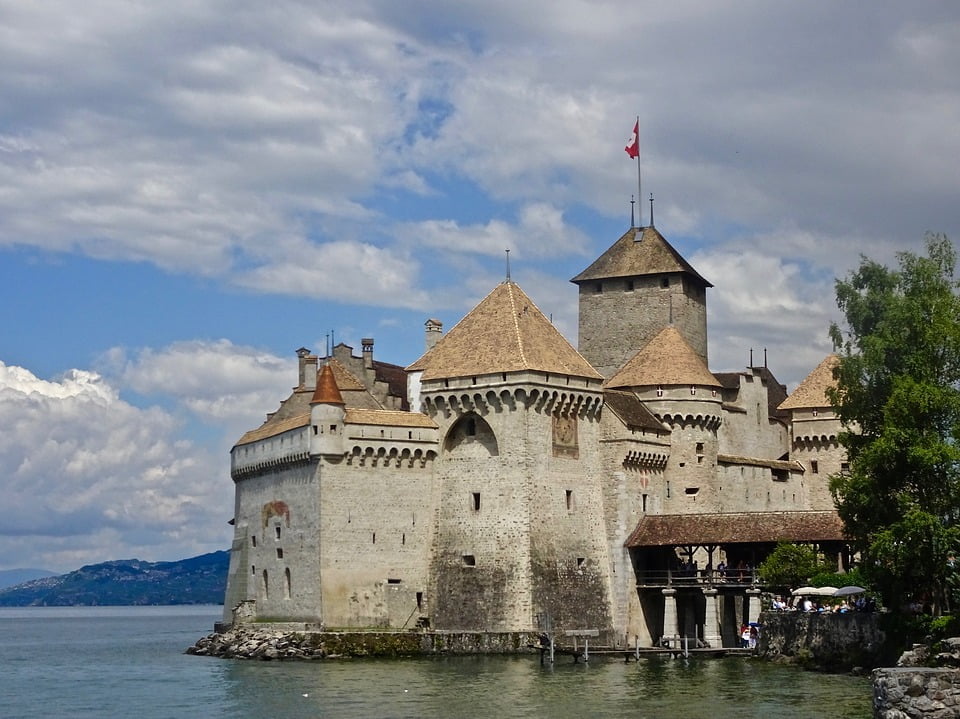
{"points": [[433, 333], [310, 368], [302, 355], [366, 345]]}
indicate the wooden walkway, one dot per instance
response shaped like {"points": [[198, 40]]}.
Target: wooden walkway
{"points": [[636, 654]]}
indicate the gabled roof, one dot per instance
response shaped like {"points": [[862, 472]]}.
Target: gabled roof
{"points": [[812, 392], [667, 359], [506, 332], [346, 380], [631, 411], [641, 251], [672, 530]]}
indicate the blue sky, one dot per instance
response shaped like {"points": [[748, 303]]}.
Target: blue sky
{"points": [[191, 190]]}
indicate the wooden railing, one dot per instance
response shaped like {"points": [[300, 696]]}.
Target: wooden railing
{"points": [[709, 577]]}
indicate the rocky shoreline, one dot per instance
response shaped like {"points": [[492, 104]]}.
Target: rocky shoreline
{"points": [[268, 642]]}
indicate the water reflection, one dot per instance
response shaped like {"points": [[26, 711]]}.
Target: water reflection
{"points": [[519, 687]]}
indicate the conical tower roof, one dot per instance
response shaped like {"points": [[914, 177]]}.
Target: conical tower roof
{"points": [[666, 360], [327, 391], [812, 392], [505, 332], [641, 251]]}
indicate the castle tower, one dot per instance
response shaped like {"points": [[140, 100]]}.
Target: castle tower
{"points": [[326, 416], [814, 430], [675, 385], [631, 292], [520, 510]]}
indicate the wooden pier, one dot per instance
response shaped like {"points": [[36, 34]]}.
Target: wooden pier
{"points": [[679, 647]]}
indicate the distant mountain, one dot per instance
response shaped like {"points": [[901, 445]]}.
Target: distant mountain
{"points": [[10, 577], [198, 580]]}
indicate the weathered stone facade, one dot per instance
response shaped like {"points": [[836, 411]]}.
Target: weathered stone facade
{"points": [[499, 482], [916, 693]]}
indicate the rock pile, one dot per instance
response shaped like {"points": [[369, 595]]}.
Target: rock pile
{"points": [[246, 642]]}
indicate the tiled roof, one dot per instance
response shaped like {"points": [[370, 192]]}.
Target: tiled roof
{"points": [[396, 378], [272, 427], [667, 530], [505, 332], [327, 391], [641, 251], [388, 418], [666, 360], [631, 411], [812, 392], [346, 380]]}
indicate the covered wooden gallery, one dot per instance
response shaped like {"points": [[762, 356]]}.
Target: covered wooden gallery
{"points": [[696, 573]]}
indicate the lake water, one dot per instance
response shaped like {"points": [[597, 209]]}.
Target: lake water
{"points": [[129, 662]]}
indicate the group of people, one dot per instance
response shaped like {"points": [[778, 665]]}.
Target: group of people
{"points": [[809, 604], [742, 573], [749, 634]]}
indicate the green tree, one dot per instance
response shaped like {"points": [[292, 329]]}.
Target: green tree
{"points": [[789, 565], [898, 395]]}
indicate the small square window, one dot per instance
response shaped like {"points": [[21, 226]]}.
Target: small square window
{"points": [[814, 466], [469, 560]]}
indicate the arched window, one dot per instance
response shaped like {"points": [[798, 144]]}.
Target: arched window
{"points": [[471, 436]]}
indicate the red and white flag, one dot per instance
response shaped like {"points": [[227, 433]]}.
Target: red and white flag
{"points": [[633, 147]]}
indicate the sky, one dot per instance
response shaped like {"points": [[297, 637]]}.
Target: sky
{"points": [[191, 190]]}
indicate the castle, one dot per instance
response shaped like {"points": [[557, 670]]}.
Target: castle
{"points": [[505, 481]]}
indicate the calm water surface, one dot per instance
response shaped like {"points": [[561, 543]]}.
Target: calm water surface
{"points": [[129, 662]]}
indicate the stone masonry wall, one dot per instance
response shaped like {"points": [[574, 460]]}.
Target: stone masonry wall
{"points": [[822, 641], [617, 322], [916, 693]]}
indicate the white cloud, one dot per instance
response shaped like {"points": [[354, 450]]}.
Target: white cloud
{"points": [[89, 474], [540, 231]]}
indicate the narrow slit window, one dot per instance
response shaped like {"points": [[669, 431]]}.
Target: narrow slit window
{"points": [[279, 552], [277, 530], [476, 501], [569, 498]]}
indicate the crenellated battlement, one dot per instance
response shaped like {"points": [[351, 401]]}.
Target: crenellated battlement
{"points": [[389, 456]]}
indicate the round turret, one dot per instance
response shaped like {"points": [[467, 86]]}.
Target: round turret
{"points": [[327, 411]]}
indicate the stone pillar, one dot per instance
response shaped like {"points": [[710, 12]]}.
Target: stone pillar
{"points": [[711, 626], [751, 610], [669, 612]]}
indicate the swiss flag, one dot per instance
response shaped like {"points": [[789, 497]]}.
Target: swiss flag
{"points": [[633, 147]]}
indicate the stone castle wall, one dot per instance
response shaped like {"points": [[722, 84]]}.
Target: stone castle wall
{"points": [[626, 313]]}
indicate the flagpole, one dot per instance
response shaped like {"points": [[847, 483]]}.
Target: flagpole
{"points": [[639, 181]]}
